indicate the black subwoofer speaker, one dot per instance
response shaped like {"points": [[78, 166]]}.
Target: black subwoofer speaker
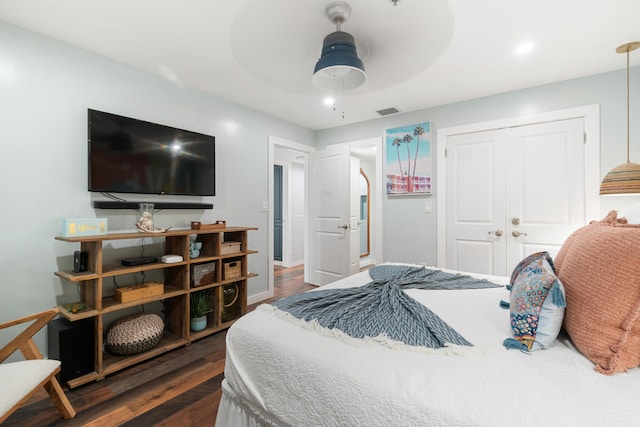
{"points": [[73, 344]]}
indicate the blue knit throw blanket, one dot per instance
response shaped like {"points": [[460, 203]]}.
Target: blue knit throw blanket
{"points": [[381, 308]]}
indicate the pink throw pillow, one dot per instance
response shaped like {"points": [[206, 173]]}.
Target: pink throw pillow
{"points": [[599, 266]]}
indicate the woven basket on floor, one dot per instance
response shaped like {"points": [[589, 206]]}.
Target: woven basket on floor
{"points": [[134, 334]]}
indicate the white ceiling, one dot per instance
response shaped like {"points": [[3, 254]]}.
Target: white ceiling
{"points": [[417, 54]]}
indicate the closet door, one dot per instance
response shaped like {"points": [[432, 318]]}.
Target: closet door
{"points": [[512, 192], [546, 187], [476, 200]]}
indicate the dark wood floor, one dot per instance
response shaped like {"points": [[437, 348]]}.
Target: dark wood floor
{"points": [[179, 388]]}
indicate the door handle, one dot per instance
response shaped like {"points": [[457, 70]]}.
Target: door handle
{"points": [[516, 233], [498, 233], [344, 226]]}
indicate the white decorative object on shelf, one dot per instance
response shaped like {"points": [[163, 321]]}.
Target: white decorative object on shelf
{"points": [[145, 220]]}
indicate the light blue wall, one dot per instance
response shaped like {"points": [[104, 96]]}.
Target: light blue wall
{"points": [[47, 86], [45, 90], [410, 234]]}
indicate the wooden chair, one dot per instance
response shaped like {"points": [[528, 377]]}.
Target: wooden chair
{"points": [[20, 380]]}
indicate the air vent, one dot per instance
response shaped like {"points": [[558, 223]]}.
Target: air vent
{"points": [[388, 111]]}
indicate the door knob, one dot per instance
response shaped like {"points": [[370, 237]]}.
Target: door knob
{"points": [[498, 233], [516, 233], [515, 220], [344, 227]]}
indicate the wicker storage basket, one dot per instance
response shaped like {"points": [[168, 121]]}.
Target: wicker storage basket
{"points": [[203, 274], [232, 270]]}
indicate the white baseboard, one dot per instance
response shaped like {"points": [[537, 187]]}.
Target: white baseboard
{"points": [[252, 299]]}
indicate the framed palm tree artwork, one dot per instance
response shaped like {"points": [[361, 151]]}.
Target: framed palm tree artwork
{"points": [[408, 160]]}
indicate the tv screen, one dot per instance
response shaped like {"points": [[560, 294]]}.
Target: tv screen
{"points": [[133, 156]]}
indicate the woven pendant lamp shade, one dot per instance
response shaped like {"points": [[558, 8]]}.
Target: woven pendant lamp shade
{"points": [[623, 179]]}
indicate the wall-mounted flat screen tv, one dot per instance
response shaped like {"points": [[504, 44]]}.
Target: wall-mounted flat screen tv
{"points": [[133, 156]]}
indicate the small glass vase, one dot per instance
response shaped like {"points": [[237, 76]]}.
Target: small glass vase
{"points": [[144, 222]]}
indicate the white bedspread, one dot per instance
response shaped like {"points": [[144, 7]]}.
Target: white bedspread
{"points": [[302, 378]]}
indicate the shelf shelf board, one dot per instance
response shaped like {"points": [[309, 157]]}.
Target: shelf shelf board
{"points": [[77, 277], [234, 280], [202, 259], [203, 287], [109, 304], [84, 314], [117, 269], [137, 235], [194, 336], [232, 255], [113, 363]]}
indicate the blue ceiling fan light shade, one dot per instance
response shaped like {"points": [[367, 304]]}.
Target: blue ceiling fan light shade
{"points": [[339, 67]]}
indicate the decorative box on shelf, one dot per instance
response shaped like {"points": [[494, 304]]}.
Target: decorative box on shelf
{"points": [[132, 293], [203, 274], [229, 248], [232, 269], [75, 227]]}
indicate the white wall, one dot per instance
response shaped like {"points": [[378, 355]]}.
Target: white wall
{"points": [[410, 234], [45, 90]]}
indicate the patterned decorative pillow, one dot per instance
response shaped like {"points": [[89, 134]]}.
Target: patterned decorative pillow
{"points": [[536, 303], [599, 265]]}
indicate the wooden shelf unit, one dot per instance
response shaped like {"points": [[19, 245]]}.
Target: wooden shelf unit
{"points": [[177, 289]]}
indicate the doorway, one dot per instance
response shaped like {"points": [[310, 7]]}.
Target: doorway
{"points": [[291, 156], [288, 207], [368, 150]]}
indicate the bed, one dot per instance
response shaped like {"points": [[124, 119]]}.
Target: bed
{"points": [[284, 371]]}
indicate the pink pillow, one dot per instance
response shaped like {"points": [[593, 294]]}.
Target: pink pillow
{"points": [[599, 266]]}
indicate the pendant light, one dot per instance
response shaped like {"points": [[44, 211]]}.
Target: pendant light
{"points": [[339, 67], [625, 178]]}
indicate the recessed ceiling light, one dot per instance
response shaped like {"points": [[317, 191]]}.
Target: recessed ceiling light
{"points": [[524, 48], [329, 101]]}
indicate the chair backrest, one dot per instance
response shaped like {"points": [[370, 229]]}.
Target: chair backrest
{"points": [[24, 343]]}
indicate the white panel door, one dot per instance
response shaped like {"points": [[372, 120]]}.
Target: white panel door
{"points": [[546, 197], [476, 198], [512, 192], [329, 215]]}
